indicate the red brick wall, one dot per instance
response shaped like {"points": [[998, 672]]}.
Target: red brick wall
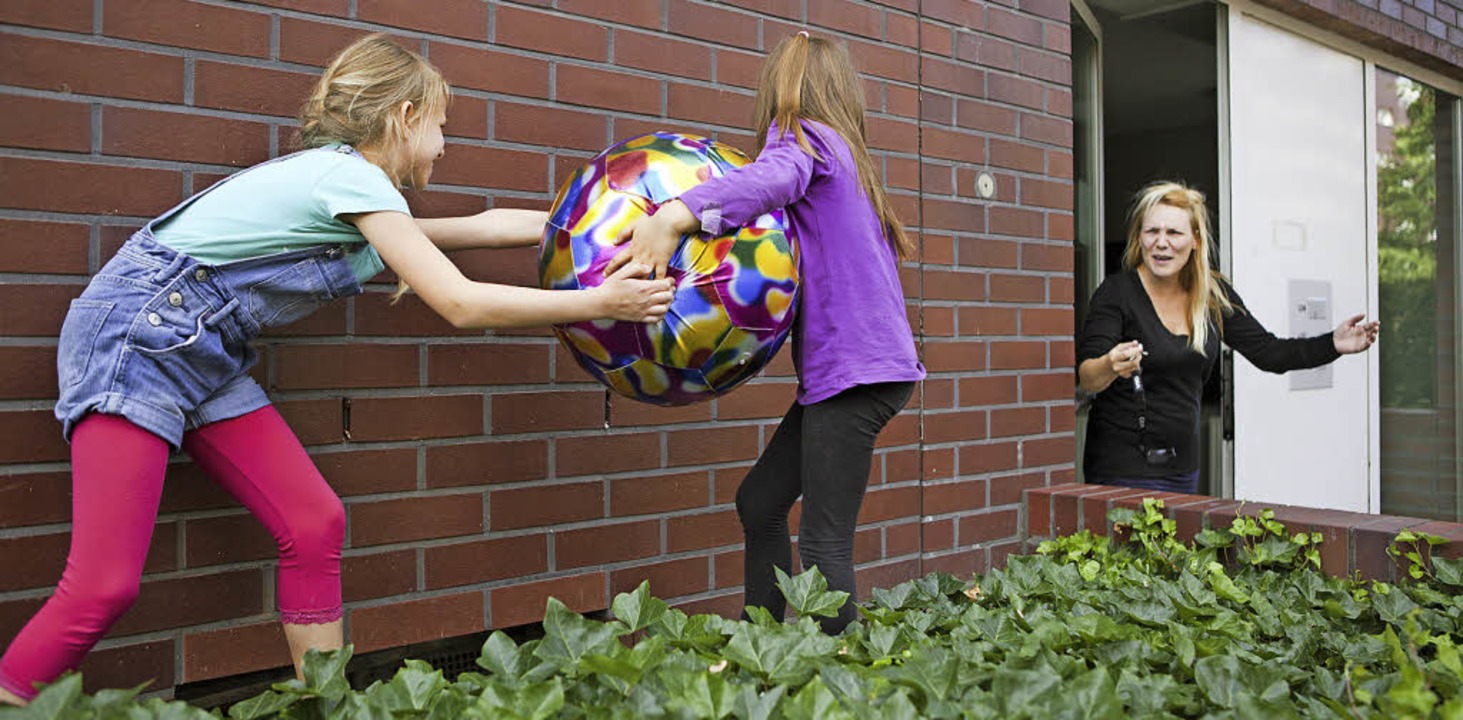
{"points": [[1427, 32], [1350, 542], [478, 474]]}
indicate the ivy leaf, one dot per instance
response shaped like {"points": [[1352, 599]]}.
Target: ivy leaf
{"points": [[266, 704], [501, 656], [54, 699], [808, 593], [1448, 571], [709, 696], [814, 702], [638, 609], [569, 636], [780, 655], [325, 674], [752, 705]]}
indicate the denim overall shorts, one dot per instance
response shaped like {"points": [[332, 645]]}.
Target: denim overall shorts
{"points": [[163, 339]]}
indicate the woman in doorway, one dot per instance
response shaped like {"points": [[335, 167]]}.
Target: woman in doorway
{"points": [[1152, 335]]}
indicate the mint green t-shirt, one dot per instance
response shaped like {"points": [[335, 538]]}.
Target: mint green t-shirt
{"points": [[285, 205]]}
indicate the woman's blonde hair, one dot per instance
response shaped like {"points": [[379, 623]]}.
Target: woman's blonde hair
{"points": [[811, 78], [356, 100], [1207, 299]]}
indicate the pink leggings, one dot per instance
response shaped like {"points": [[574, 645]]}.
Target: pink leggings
{"points": [[117, 482]]}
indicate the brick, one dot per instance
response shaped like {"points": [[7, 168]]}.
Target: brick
{"points": [[959, 13], [646, 15], [70, 15], [1048, 451], [552, 34], [43, 247], [486, 463], [477, 166], [550, 127], [757, 401], [249, 89], [1042, 193], [545, 505], [959, 146], [884, 504], [180, 602], [547, 411], [1015, 91], [523, 604], [1017, 288], [358, 471], [985, 527], [985, 117], [988, 458], [961, 79], [881, 61], [847, 17], [375, 575], [1014, 26], [483, 561], [659, 494], [713, 106], [338, 8], [985, 51], [702, 530], [610, 90], [31, 436], [415, 518], [669, 579], [708, 22], [729, 569], [30, 373], [194, 25], [601, 454], [954, 497], [466, 19], [735, 68], [604, 544], [227, 539], [1046, 387], [357, 365], [37, 560], [728, 606], [467, 118], [89, 69], [129, 666], [147, 133], [34, 498], [650, 52], [947, 427], [954, 356], [629, 413], [232, 651], [1047, 321], [414, 418], [314, 43], [74, 187], [711, 445], [491, 71], [44, 124], [384, 626]]}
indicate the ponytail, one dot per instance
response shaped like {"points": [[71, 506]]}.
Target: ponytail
{"points": [[806, 78]]}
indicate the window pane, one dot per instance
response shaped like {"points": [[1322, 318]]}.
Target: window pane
{"points": [[1417, 248]]}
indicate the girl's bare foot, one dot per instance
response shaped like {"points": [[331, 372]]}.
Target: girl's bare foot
{"points": [[9, 698]]}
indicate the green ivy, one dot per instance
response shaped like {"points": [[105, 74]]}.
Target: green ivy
{"points": [[1238, 624]]}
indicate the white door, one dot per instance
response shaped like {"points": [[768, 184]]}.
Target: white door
{"points": [[1299, 260]]}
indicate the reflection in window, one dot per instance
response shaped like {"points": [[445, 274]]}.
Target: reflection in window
{"points": [[1417, 249]]}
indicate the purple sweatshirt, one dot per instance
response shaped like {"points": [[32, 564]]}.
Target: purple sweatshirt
{"points": [[851, 328]]}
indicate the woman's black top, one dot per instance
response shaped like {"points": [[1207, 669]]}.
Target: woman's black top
{"points": [[1173, 376]]}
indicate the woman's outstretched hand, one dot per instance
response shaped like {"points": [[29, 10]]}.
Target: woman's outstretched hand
{"points": [[653, 240], [628, 298], [1354, 336]]}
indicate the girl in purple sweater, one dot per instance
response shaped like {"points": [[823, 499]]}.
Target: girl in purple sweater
{"points": [[852, 345]]}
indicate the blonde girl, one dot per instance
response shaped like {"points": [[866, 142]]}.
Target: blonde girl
{"points": [[154, 356], [852, 346], [1157, 325]]}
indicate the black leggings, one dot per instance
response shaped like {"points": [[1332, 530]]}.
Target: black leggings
{"points": [[822, 452]]}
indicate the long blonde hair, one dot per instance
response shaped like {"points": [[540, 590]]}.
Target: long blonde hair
{"points": [[807, 78], [355, 101], [1207, 299]]}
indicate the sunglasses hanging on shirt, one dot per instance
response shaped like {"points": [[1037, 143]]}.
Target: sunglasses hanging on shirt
{"points": [[1154, 456]]}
